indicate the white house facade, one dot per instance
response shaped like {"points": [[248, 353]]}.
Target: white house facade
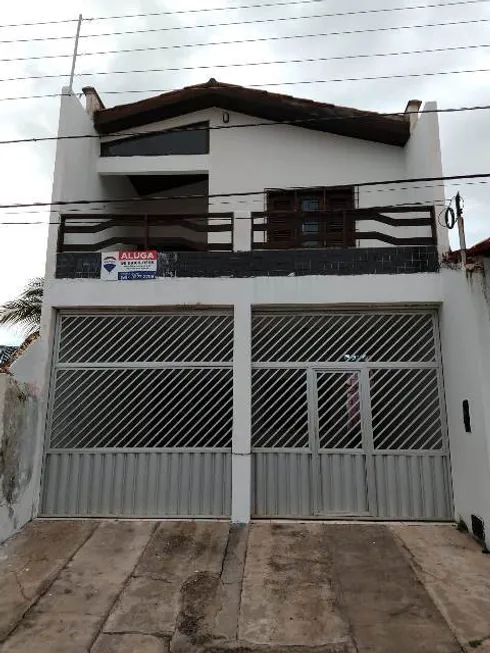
{"points": [[287, 353]]}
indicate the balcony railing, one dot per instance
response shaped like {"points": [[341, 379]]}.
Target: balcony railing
{"points": [[359, 228], [196, 232], [395, 225]]}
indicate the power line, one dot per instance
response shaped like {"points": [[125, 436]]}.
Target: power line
{"points": [[266, 85], [102, 213], [273, 123], [248, 22], [171, 13], [212, 9], [258, 63], [327, 81], [253, 40], [92, 219], [44, 22], [389, 182], [253, 6], [93, 216]]}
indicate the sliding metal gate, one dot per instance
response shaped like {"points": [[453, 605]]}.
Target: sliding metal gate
{"points": [[348, 416], [140, 418]]}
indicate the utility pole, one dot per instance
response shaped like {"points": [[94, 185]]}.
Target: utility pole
{"points": [[75, 52], [462, 236]]}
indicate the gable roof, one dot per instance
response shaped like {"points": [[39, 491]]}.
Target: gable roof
{"points": [[367, 125]]}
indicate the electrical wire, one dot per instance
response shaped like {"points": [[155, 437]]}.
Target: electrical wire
{"points": [[93, 215], [220, 9], [252, 40], [253, 6], [244, 22], [272, 123], [390, 182], [324, 81], [256, 63], [40, 23], [89, 220], [266, 85], [102, 214]]}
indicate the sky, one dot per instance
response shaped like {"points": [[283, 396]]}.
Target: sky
{"points": [[27, 169]]}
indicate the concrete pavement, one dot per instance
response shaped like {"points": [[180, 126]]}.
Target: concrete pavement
{"points": [[178, 587]]}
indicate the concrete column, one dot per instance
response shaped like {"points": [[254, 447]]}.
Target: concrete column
{"points": [[46, 355], [242, 231], [242, 413]]}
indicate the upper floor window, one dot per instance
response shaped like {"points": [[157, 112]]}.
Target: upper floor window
{"points": [[191, 139], [330, 224]]}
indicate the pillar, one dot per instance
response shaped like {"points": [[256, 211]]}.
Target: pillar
{"points": [[242, 413]]}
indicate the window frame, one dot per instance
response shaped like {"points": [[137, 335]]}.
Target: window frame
{"points": [[193, 127], [278, 226]]}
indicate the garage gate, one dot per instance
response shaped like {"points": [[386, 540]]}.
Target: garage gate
{"points": [[140, 418], [348, 416]]}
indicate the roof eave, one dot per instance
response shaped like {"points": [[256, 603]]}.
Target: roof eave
{"points": [[304, 113]]}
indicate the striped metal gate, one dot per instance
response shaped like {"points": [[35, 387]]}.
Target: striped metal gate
{"points": [[348, 416], [140, 418]]}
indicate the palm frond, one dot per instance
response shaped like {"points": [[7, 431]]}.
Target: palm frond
{"points": [[25, 311]]}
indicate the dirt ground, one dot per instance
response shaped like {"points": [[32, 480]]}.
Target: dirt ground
{"points": [[178, 587]]}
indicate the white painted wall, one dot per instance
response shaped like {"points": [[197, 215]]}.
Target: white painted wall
{"points": [[362, 290], [195, 164], [465, 336], [75, 174], [423, 159], [283, 156], [244, 159], [27, 368]]}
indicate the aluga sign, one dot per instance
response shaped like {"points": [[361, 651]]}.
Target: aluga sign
{"points": [[129, 266]]}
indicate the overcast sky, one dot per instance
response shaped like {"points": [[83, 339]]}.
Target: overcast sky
{"points": [[26, 169]]}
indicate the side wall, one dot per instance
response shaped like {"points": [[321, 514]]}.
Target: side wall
{"points": [[465, 335], [75, 173], [423, 160], [18, 421]]}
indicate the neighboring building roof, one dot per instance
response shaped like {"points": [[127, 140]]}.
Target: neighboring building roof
{"points": [[367, 125], [9, 355], [480, 249], [6, 352]]}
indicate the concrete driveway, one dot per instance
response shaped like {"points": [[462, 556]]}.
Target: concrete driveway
{"points": [[146, 587]]}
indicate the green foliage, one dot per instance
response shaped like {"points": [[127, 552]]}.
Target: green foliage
{"points": [[24, 312]]}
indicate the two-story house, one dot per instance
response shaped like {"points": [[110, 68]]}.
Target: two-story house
{"points": [[281, 354]]}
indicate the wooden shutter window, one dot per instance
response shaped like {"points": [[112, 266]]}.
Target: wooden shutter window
{"points": [[286, 233], [281, 229]]}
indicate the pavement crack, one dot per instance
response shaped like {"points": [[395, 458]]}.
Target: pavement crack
{"points": [[21, 589], [107, 614], [225, 553], [32, 602], [240, 589]]}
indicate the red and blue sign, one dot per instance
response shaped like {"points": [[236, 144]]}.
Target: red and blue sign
{"points": [[129, 266]]}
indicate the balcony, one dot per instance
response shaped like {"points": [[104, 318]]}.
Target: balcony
{"points": [[386, 240], [165, 233]]}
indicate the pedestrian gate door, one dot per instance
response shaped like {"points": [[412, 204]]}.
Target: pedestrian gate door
{"points": [[140, 418], [348, 416]]}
